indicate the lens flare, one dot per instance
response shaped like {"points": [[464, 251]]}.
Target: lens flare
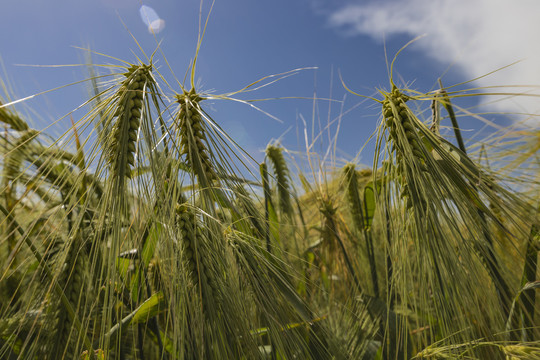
{"points": [[151, 19]]}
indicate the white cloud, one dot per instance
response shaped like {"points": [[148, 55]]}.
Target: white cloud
{"points": [[478, 36]]}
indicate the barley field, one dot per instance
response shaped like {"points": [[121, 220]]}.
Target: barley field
{"points": [[144, 231]]}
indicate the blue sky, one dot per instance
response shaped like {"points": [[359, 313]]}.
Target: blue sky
{"points": [[248, 39]]}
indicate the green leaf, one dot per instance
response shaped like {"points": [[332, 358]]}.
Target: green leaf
{"points": [[168, 344], [149, 308], [150, 244]]}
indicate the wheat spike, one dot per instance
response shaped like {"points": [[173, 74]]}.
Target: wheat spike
{"points": [[521, 351], [12, 119], [73, 281], [193, 141], [406, 142], [128, 114], [275, 154], [199, 269], [353, 197]]}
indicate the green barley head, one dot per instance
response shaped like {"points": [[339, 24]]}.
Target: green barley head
{"points": [[193, 139], [129, 108]]}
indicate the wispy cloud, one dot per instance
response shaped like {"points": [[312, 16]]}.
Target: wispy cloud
{"points": [[477, 36]]}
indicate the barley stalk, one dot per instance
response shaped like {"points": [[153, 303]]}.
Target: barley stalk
{"points": [[530, 269], [406, 143], [333, 240], [56, 287], [12, 119], [131, 96], [353, 199], [275, 154], [72, 278], [206, 266], [274, 291], [526, 351], [267, 204], [193, 140], [16, 154], [198, 268]]}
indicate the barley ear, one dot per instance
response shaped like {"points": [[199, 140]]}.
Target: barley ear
{"points": [[193, 140], [353, 196], [128, 112], [72, 279], [193, 255], [355, 206], [521, 351], [12, 119], [275, 155], [405, 140]]}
